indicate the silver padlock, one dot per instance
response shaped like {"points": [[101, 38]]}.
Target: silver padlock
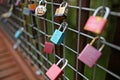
{"points": [[15, 46], [41, 9]]}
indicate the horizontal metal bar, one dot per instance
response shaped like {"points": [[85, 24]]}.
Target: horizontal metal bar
{"points": [[83, 34]]}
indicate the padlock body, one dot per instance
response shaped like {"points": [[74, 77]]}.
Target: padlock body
{"points": [[32, 7], [18, 34], [89, 55], [17, 2], [5, 20], [48, 47], [95, 24], [57, 37], [61, 11], [26, 11], [54, 72], [40, 10]]}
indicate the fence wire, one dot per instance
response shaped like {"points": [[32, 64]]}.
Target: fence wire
{"points": [[45, 60]]}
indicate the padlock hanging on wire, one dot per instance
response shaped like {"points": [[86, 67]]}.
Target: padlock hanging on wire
{"points": [[16, 45], [41, 8], [17, 2], [48, 46], [26, 11], [32, 7], [55, 72], [58, 35], [18, 33], [9, 13], [95, 23], [62, 10], [89, 55]]}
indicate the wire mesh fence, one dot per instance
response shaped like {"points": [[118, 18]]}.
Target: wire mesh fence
{"points": [[38, 29]]}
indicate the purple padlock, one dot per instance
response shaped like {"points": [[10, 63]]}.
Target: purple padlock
{"points": [[90, 54], [17, 2]]}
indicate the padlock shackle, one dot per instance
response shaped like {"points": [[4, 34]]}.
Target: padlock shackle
{"points": [[21, 29], [64, 4], [107, 11], [42, 1], [65, 61], [96, 38], [11, 8], [64, 25]]}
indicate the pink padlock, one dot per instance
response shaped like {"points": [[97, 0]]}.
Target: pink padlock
{"points": [[48, 47], [95, 23], [55, 71], [90, 54]]}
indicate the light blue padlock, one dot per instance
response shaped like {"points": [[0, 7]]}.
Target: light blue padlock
{"points": [[18, 33], [58, 35], [26, 11]]}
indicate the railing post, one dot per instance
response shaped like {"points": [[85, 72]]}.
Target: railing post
{"points": [[82, 17]]}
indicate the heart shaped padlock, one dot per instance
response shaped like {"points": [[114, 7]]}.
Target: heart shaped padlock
{"points": [[41, 8]]}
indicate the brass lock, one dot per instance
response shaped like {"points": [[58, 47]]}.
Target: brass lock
{"points": [[62, 10]]}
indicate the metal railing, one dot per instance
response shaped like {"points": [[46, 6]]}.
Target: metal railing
{"points": [[44, 61]]}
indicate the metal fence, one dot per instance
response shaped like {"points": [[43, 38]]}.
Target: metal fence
{"points": [[37, 30]]}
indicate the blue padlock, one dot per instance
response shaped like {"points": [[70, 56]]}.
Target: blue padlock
{"points": [[18, 33], [58, 35]]}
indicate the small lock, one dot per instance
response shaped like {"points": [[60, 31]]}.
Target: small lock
{"points": [[26, 11], [17, 2], [48, 47], [32, 7], [5, 20], [9, 13], [62, 10], [58, 35], [89, 55], [41, 9], [15, 46], [18, 33], [95, 23], [55, 71]]}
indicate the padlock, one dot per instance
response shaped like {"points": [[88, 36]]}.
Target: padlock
{"points": [[48, 47], [18, 33], [41, 9], [15, 46], [55, 71], [26, 11], [95, 23], [5, 20], [32, 7], [8, 14], [89, 55], [17, 2], [58, 35], [62, 10]]}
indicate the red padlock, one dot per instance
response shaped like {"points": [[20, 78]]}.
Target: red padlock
{"points": [[90, 54], [48, 47], [95, 23], [55, 71]]}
